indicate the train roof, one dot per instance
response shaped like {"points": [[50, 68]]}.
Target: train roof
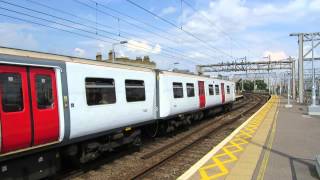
{"points": [[36, 55], [190, 75]]}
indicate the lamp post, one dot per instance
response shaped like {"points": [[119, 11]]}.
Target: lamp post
{"points": [[113, 45], [269, 59], [174, 65], [313, 82], [289, 92]]}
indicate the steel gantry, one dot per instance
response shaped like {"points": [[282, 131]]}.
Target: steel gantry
{"points": [[303, 38], [244, 65], [249, 66]]}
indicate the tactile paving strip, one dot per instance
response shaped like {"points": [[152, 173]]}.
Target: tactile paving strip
{"points": [[220, 164]]}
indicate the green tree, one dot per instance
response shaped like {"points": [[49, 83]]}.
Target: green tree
{"points": [[261, 85], [248, 85]]}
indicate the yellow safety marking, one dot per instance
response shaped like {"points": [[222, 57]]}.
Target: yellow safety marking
{"points": [[128, 129], [266, 156], [228, 153]]}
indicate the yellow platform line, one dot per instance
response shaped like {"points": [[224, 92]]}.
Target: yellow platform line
{"points": [[245, 167], [266, 156], [229, 147]]}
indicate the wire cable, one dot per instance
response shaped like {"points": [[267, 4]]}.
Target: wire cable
{"points": [[68, 26], [174, 25], [169, 49], [214, 25], [132, 24]]}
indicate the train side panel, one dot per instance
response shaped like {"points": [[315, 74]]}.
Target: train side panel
{"points": [[211, 96], [95, 117], [170, 105], [31, 106], [229, 91]]}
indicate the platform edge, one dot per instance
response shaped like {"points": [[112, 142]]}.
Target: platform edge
{"points": [[205, 158]]}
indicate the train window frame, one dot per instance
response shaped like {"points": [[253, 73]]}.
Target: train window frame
{"points": [[228, 89], [175, 86], [217, 89], [47, 103], [190, 86], [211, 90], [111, 85], [136, 87], [20, 107]]}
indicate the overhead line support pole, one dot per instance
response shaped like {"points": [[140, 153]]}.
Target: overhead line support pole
{"points": [[300, 68], [293, 73]]}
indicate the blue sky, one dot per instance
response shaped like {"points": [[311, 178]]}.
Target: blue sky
{"points": [[228, 29]]}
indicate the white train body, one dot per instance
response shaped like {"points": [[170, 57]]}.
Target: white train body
{"points": [[79, 106], [87, 119], [170, 106]]}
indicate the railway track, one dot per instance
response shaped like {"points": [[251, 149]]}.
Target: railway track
{"points": [[167, 158]]}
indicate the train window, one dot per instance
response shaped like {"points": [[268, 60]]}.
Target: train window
{"points": [[100, 91], [44, 91], [211, 89], [135, 90], [11, 89], [190, 89], [228, 89], [177, 90], [217, 89]]}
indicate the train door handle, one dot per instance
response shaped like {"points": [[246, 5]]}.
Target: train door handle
{"points": [[145, 110], [174, 105]]}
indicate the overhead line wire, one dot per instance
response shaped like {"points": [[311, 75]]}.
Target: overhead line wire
{"points": [[44, 25], [116, 18], [132, 24], [43, 19], [79, 34], [174, 25], [99, 29], [57, 17], [213, 24]]}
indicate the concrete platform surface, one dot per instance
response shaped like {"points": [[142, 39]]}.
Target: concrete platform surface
{"points": [[274, 143], [295, 146]]}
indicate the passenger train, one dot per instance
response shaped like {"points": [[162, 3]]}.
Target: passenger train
{"points": [[55, 107]]}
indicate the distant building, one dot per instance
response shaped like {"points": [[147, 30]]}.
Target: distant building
{"points": [[141, 62]]}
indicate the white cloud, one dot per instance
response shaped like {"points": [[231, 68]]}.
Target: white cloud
{"points": [[261, 24], [237, 15], [121, 53], [315, 5], [194, 54], [157, 49], [79, 52], [168, 10], [143, 46], [275, 55]]}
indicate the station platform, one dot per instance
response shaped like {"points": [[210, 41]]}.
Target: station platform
{"points": [[239, 97], [274, 143]]}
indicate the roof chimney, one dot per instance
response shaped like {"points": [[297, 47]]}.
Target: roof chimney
{"points": [[110, 55], [99, 56]]}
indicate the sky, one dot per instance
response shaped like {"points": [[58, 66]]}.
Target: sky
{"points": [[183, 33]]}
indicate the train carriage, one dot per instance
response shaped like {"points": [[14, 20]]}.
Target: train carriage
{"points": [[54, 106], [184, 93], [105, 98]]}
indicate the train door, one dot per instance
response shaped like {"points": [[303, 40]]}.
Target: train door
{"points": [[44, 105], [28, 103], [202, 96], [15, 108], [223, 95]]}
